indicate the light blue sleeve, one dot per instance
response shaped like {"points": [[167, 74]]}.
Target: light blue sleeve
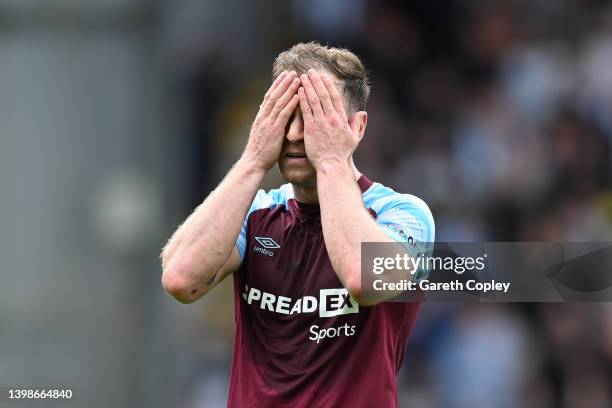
{"points": [[262, 200], [408, 220]]}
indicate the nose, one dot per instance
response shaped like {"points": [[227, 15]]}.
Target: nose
{"points": [[295, 131]]}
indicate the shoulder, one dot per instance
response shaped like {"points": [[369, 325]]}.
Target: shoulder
{"points": [[381, 197], [263, 201], [390, 205]]}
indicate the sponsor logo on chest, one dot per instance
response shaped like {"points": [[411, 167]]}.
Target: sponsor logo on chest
{"points": [[331, 302]]}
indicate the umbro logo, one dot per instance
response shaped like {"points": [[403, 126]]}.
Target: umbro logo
{"points": [[266, 243]]}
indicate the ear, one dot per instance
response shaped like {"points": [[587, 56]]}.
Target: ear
{"points": [[358, 122]]}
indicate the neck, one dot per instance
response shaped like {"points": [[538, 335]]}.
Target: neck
{"points": [[309, 195]]}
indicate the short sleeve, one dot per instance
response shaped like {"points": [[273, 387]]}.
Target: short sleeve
{"points": [[262, 200], [408, 220]]}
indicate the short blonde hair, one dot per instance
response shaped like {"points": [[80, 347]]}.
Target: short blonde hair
{"points": [[339, 61]]}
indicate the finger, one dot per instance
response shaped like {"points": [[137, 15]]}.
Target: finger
{"points": [[275, 84], [334, 95], [311, 96], [321, 91], [285, 114], [277, 92], [281, 102], [305, 108]]}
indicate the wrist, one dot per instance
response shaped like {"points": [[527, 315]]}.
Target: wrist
{"points": [[250, 166], [334, 168]]}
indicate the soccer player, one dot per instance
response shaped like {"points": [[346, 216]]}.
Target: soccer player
{"points": [[306, 335]]}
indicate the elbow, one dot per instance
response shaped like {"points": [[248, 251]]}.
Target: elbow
{"points": [[355, 289], [178, 284]]}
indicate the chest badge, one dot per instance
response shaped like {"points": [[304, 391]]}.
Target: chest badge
{"points": [[267, 244]]}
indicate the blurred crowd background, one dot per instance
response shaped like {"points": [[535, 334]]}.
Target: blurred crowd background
{"points": [[118, 117]]}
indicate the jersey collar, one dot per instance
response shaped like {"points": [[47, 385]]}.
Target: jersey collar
{"points": [[304, 211]]}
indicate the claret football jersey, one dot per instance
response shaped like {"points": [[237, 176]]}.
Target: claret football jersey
{"points": [[301, 340]]}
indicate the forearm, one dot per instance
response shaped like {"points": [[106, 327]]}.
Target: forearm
{"points": [[346, 223], [201, 252], [203, 243]]}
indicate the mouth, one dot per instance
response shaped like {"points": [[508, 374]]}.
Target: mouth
{"points": [[296, 155]]}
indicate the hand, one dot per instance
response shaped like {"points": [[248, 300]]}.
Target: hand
{"points": [[268, 129], [328, 136]]}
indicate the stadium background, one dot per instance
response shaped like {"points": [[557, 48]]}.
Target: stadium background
{"points": [[117, 117]]}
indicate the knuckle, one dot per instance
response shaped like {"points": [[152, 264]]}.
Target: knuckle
{"points": [[261, 125], [309, 127], [275, 128], [276, 109]]}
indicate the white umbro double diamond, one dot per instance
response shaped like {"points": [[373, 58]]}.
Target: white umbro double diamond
{"points": [[267, 243]]}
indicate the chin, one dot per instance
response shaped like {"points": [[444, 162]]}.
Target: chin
{"points": [[301, 177]]}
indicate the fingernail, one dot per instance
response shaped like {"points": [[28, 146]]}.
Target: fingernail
{"points": [[311, 71], [304, 76]]}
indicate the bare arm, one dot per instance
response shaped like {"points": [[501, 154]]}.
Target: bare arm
{"points": [[330, 138], [202, 252], [346, 224], [194, 257]]}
